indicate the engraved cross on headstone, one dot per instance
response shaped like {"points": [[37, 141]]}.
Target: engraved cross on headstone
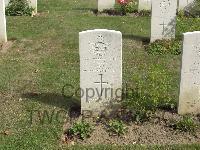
{"points": [[163, 24], [101, 83]]}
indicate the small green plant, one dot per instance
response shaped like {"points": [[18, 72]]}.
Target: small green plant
{"points": [[131, 6], [181, 14], [141, 105], [18, 8], [117, 127], [186, 124], [161, 47], [81, 130]]}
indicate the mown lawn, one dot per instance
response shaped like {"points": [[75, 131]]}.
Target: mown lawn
{"points": [[44, 57]]}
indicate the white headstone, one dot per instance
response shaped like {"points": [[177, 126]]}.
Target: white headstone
{"points": [[3, 34], [184, 4], [33, 4], [105, 4], [100, 70], [163, 19], [189, 98], [144, 5]]}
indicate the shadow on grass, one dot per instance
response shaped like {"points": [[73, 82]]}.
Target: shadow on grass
{"points": [[95, 11], [144, 40], [70, 104]]}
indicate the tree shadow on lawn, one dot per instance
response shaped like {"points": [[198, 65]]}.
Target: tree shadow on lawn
{"points": [[70, 104], [143, 39]]}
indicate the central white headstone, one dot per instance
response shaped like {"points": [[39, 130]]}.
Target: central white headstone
{"points": [[100, 70], [163, 19], [3, 34], [189, 98], [105, 4], [144, 5], [184, 4]]}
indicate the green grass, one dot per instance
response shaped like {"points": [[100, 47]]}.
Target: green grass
{"points": [[44, 57]]}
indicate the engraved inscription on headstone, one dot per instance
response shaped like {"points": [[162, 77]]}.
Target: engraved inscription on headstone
{"points": [[144, 5], [189, 98], [100, 69], [105, 4], [163, 19], [3, 34]]}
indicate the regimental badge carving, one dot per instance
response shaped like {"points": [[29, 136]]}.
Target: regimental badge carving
{"points": [[100, 47], [164, 5]]}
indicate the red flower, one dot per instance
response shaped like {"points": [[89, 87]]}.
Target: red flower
{"points": [[123, 2]]}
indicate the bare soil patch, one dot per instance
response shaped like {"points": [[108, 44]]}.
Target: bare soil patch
{"points": [[5, 46], [156, 131]]}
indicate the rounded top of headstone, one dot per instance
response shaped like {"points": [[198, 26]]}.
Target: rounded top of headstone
{"points": [[100, 30], [189, 33]]}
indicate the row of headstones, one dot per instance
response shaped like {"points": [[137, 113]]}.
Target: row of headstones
{"points": [[163, 20], [146, 4], [142, 4], [101, 72], [101, 61], [3, 4]]}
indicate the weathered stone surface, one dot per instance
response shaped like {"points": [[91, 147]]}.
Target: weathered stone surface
{"points": [[100, 70], [163, 19], [6, 2], [3, 34], [105, 4], [189, 98], [144, 5]]}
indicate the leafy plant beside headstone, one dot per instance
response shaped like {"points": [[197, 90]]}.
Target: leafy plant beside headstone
{"points": [[160, 47], [19, 8], [125, 6], [117, 127], [186, 124], [81, 130]]}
